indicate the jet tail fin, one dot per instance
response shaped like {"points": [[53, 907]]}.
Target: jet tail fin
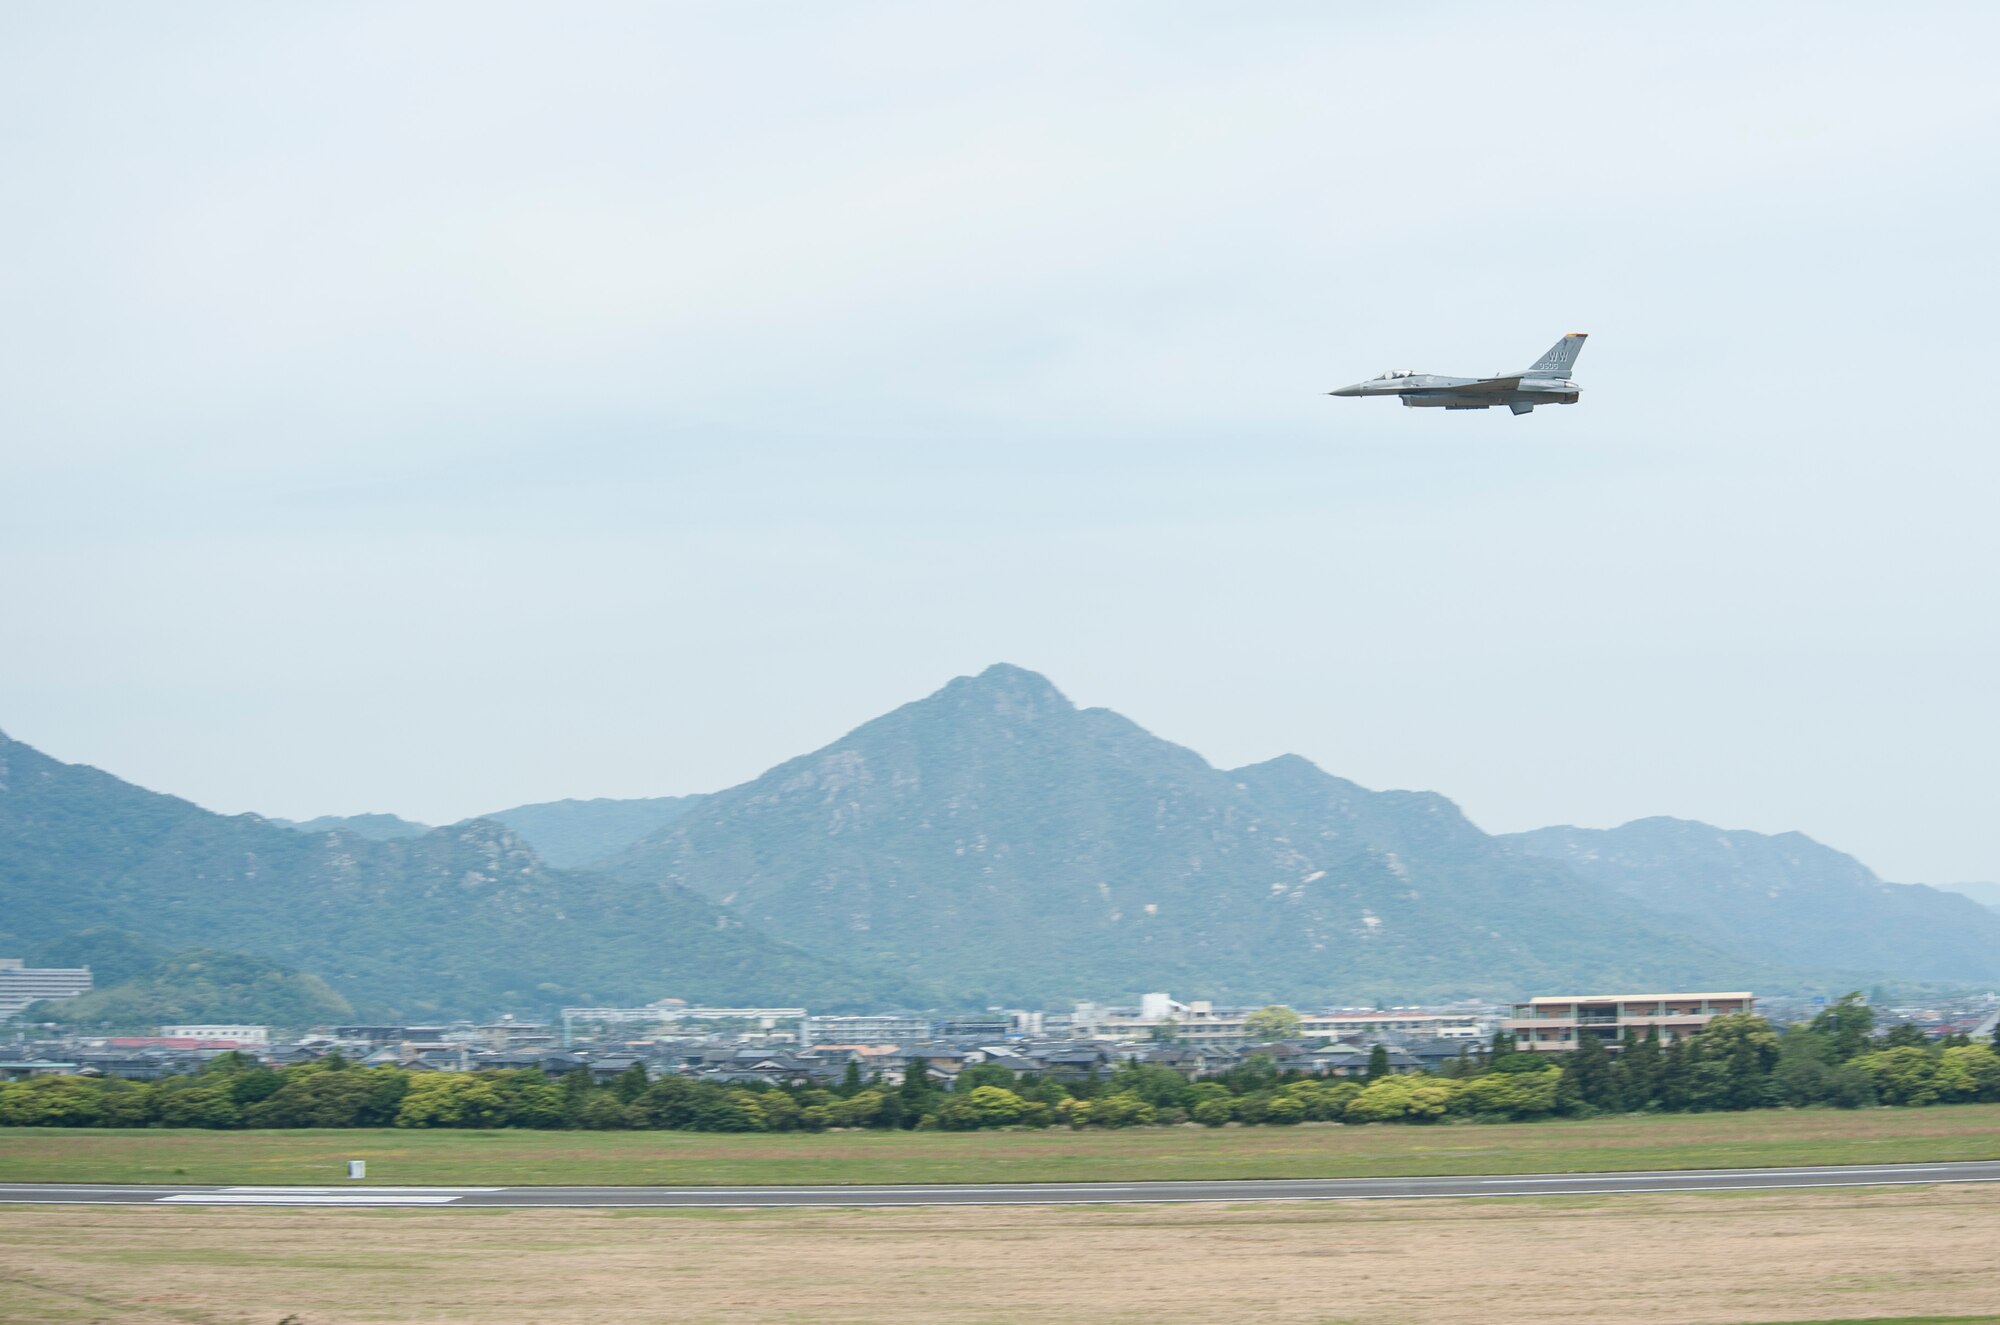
{"points": [[1560, 358]]}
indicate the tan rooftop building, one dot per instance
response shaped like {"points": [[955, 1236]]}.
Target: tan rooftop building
{"points": [[1555, 1023]]}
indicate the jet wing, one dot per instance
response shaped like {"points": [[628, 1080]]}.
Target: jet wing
{"points": [[1482, 385]]}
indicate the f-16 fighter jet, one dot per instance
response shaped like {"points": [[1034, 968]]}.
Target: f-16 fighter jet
{"points": [[1546, 382]]}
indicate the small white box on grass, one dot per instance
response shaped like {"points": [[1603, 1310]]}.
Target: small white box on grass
{"points": [[357, 1168]]}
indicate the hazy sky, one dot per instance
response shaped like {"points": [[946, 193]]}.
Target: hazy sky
{"points": [[430, 408]]}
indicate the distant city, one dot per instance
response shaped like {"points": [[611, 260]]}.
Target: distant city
{"points": [[780, 1046]]}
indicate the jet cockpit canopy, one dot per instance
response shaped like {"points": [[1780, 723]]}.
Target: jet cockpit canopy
{"points": [[1397, 372]]}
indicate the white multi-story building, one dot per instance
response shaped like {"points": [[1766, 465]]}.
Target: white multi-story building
{"points": [[1201, 1022], [240, 1034], [863, 1030], [21, 984]]}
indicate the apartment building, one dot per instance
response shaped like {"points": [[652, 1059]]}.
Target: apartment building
{"points": [[1201, 1022], [1554, 1023], [863, 1030], [239, 1033], [21, 984]]}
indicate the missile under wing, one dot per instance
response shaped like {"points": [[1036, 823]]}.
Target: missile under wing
{"points": [[1544, 382]]}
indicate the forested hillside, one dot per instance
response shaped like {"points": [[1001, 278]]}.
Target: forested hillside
{"points": [[1782, 898], [989, 844], [1017, 846], [460, 920]]}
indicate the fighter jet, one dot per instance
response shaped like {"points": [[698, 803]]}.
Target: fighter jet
{"points": [[1545, 382]]}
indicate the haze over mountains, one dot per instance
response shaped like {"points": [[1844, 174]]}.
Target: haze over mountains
{"points": [[1986, 894], [458, 920], [991, 843], [1782, 898]]}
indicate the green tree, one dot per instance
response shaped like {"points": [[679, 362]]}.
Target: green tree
{"points": [[1973, 1070], [1378, 1063], [983, 1074], [1158, 1085], [1255, 1073], [1846, 1023], [1284, 1110], [1511, 1094], [332, 1099], [1409, 1099], [858, 1110], [631, 1083], [530, 1099], [984, 1106], [1729, 1063], [259, 1083], [577, 1087], [1215, 1111], [1590, 1074], [452, 1099], [1804, 1074], [917, 1095], [1637, 1069], [1904, 1074], [1114, 1109], [604, 1111], [54, 1102], [195, 1102], [1275, 1022], [1904, 1035], [1849, 1087], [1674, 1093], [850, 1079]]}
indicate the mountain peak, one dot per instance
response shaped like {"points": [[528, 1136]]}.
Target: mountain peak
{"points": [[1291, 766], [1009, 691]]}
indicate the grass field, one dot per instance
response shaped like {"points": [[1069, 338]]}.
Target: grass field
{"points": [[1905, 1254], [1772, 1138]]}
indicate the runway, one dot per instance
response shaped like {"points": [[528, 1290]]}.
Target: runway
{"points": [[1083, 1193]]}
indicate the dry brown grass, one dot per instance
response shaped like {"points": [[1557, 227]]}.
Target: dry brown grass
{"points": [[1661, 1260]]}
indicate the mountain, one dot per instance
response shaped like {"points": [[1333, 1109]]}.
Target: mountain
{"points": [[462, 920], [991, 843], [201, 985], [1986, 894], [1784, 897], [570, 834], [567, 834], [376, 827], [1000, 841], [113, 955]]}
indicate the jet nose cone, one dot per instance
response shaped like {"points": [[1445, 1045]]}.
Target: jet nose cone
{"points": [[1346, 391]]}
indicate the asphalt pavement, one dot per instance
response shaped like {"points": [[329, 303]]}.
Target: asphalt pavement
{"points": [[1081, 1193]]}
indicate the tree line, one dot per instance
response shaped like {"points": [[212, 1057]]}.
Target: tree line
{"points": [[1737, 1062]]}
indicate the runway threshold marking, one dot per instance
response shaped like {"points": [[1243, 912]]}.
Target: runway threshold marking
{"points": [[324, 1196]]}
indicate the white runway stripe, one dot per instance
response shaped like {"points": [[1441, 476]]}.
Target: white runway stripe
{"points": [[301, 1198], [353, 1191]]}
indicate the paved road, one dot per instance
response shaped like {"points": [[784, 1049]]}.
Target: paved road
{"points": [[1082, 1193]]}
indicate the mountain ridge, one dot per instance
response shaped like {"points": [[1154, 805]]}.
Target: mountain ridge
{"points": [[931, 830], [988, 843], [1787, 894], [461, 919]]}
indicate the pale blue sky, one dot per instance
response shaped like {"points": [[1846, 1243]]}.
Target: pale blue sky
{"points": [[429, 408]]}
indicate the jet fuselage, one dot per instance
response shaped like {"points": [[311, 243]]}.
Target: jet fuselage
{"points": [[1547, 382]]}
